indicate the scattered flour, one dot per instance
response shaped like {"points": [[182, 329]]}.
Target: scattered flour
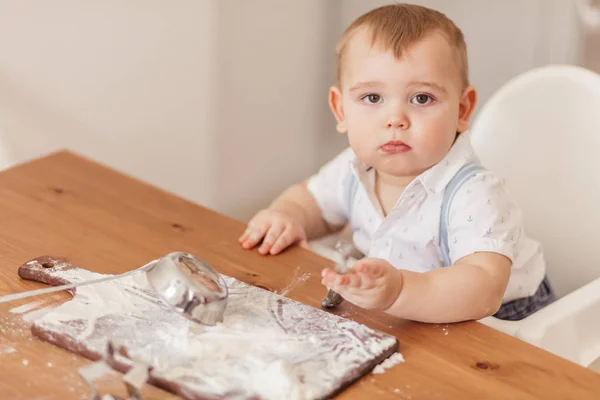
{"points": [[445, 329], [4, 349], [295, 281], [27, 307], [303, 353], [33, 315], [389, 362]]}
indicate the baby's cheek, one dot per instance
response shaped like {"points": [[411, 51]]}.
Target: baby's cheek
{"points": [[434, 147], [361, 147]]}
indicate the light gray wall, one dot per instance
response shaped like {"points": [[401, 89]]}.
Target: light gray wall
{"points": [[223, 102]]}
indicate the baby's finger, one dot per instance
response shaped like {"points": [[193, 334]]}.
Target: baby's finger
{"points": [[367, 281], [328, 277], [285, 239], [371, 269], [359, 278], [341, 280], [353, 280], [349, 279], [257, 232], [245, 235], [271, 237]]}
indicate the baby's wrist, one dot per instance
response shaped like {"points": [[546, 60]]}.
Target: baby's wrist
{"points": [[290, 208], [395, 290]]}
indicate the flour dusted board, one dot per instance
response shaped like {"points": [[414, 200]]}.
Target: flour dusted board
{"points": [[268, 346]]}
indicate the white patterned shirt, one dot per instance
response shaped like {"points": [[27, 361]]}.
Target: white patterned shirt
{"points": [[482, 217]]}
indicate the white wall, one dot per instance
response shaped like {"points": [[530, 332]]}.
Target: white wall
{"points": [[223, 102], [126, 83], [274, 59], [220, 101]]}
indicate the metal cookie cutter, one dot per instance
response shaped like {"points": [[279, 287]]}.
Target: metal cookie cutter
{"points": [[190, 286], [134, 379], [345, 250]]}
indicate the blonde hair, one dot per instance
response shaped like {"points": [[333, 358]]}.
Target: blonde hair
{"points": [[397, 26]]}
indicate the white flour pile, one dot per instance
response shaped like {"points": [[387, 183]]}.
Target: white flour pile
{"points": [[26, 307], [389, 362], [268, 347]]}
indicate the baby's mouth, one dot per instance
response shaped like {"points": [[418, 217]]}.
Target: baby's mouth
{"points": [[395, 147]]}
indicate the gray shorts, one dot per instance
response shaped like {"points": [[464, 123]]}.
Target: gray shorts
{"points": [[518, 309]]}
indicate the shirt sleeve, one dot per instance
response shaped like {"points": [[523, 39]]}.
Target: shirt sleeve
{"points": [[329, 187], [483, 218]]}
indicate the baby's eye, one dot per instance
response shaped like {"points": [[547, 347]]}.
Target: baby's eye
{"points": [[372, 99], [421, 99]]}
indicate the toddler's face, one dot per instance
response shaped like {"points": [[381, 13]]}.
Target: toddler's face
{"points": [[401, 115]]}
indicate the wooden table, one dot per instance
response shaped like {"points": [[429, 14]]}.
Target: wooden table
{"points": [[65, 205]]}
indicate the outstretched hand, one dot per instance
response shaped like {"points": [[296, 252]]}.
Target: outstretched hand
{"points": [[372, 283]]}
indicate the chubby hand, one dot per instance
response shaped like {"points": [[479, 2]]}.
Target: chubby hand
{"points": [[372, 283], [276, 229]]}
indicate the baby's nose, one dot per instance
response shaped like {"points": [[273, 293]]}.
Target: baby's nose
{"points": [[397, 121]]}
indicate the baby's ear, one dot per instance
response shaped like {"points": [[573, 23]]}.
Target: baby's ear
{"points": [[466, 107], [335, 103]]}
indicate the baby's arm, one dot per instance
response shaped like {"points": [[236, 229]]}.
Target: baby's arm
{"points": [[484, 227], [294, 217], [307, 210], [470, 289]]}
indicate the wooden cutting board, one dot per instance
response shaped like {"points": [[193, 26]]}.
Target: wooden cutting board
{"points": [[268, 346]]}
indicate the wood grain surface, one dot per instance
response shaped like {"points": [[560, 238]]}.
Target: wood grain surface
{"points": [[76, 209]]}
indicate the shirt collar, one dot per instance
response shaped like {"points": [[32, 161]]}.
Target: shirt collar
{"points": [[435, 179]]}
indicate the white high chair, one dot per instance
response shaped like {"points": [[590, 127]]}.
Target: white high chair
{"points": [[541, 132]]}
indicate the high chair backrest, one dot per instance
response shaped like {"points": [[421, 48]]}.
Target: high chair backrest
{"points": [[541, 132]]}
